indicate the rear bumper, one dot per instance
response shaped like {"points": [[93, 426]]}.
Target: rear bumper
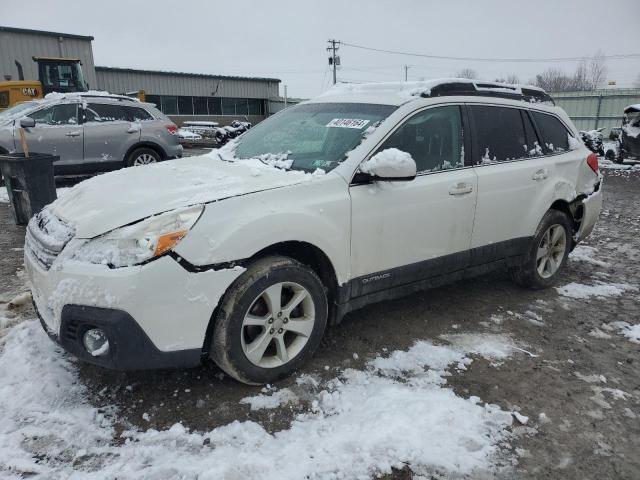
{"points": [[129, 347], [592, 205]]}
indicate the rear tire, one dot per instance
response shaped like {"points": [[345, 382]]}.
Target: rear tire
{"points": [[142, 156], [548, 252], [270, 321]]}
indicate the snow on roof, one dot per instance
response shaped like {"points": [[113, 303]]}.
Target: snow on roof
{"points": [[90, 93], [402, 92], [635, 106]]}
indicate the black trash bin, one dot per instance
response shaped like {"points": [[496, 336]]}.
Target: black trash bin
{"points": [[30, 183]]}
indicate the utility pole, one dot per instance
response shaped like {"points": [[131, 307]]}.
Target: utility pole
{"points": [[406, 72], [334, 60]]}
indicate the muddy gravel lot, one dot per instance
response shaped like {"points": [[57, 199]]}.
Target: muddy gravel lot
{"points": [[572, 380]]}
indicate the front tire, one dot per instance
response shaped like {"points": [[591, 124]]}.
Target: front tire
{"points": [[142, 156], [270, 322], [548, 252]]}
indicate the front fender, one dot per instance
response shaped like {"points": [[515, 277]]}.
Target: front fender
{"points": [[316, 212]]}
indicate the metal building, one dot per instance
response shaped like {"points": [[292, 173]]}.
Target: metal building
{"points": [[598, 108], [182, 96], [192, 96], [21, 45]]}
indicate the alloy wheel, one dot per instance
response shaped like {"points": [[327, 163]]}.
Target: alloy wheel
{"points": [[551, 251], [278, 325], [144, 159]]}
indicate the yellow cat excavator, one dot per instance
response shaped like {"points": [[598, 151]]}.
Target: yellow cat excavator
{"points": [[54, 75], [63, 75]]}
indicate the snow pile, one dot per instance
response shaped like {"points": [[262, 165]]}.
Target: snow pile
{"points": [[43, 411], [632, 332], [269, 402], [631, 131], [600, 289], [587, 254], [395, 413], [388, 162]]}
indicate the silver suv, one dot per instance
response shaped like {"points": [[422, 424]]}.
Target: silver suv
{"points": [[91, 132]]}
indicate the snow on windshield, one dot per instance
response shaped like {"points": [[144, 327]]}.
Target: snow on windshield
{"points": [[311, 136]]}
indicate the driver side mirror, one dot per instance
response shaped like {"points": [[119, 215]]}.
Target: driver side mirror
{"points": [[391, 165], [27, 122]]}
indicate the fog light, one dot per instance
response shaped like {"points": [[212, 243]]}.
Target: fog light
{"points": [[96, 342]]}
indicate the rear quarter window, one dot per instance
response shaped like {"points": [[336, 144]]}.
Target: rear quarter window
{"points": [[555, 136], [138, 114]]}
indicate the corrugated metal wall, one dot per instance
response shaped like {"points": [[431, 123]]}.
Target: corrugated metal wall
{"points": [[23, 46], [599, 108], [160, 83]]}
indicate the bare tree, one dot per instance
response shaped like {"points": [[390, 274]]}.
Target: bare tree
{"points": [[511, 78], [467, 73], [553, 80], [590, 74], [580, 80], [597, 70]]}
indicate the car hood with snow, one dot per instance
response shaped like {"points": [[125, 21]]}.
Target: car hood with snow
{"points": [[112, 200]]}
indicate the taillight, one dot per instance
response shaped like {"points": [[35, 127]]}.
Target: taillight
{"points": [[592, 161], [172, 129]]}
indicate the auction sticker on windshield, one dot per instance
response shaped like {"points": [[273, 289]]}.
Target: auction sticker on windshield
{"points": [[347, 123]]}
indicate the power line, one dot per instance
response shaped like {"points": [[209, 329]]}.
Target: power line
{"points": [[502, 60]]}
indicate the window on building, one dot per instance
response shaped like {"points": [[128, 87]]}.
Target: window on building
{"points": [[200, 106], [255, 106], [155, 99], [185, 105], [555, 136], [169, 105], [242, 107], [500, 134], [228, 106], [215, 105]]}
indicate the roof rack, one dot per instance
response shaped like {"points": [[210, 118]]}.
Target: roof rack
{"points": [[489, 89]]}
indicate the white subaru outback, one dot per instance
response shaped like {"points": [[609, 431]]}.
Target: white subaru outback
{"points": [[367, 193]]}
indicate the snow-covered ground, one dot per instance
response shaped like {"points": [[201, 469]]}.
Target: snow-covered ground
{"points": [[397, 411]]}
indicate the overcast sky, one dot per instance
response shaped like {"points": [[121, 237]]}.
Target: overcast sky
{"points": [[286, 39]]}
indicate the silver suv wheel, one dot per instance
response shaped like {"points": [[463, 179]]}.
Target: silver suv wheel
{"points": [[144, 159]]}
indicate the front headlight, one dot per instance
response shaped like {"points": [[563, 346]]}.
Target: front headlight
{"points": [[142, 241]]}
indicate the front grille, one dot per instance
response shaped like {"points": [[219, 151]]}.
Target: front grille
{"points": [[46, 236]]}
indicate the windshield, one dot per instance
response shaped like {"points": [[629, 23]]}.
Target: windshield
{"points": [[16, 111], [311, 136]]}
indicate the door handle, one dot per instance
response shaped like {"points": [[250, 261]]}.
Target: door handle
{"points": [[460, 188], [72, 134], [540, 174]]}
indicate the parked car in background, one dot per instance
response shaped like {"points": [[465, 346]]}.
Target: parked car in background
{"points": [[91, 132], [629, 140], [593, 140], [367, 193]]}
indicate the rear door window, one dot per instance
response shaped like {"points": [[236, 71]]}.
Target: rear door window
{"points": [[555, 135], [105, 112], [499, 134]]}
